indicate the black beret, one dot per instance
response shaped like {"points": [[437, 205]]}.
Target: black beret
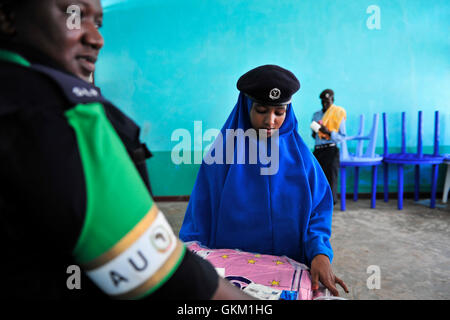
{"points": [[269, 85]]}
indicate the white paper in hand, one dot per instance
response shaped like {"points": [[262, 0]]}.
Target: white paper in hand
{"points": [[315, 126]]}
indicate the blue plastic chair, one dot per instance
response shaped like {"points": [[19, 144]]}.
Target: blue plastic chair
{"points": [[360, 159], [417, 159], [447, 179]]}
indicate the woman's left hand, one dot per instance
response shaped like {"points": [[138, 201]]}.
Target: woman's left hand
{"points": [[321, 271]]}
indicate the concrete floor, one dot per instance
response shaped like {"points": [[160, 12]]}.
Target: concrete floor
{"points": [[410, 248]]}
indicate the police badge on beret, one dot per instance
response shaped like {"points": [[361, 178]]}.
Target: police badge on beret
{"points": [[275, 94]]}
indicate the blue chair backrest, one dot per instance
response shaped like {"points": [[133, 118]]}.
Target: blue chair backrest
{"points": [[419, 135], [371, 137]]}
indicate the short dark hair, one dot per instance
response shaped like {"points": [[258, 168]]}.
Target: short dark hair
{"points": [[9, 4], [8, 7]]}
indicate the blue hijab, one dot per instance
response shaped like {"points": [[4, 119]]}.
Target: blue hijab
{"points": [[235, 206]]}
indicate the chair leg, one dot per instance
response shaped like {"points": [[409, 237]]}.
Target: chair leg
{"points": [[374, 186], [416, 182], [355, 186], [433, 185], [343, 188], [386, 182], [400, 187], [446, 185]]}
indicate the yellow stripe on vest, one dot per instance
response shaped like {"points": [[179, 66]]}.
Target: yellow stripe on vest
{"points": [[141, 261], [125, 242]]}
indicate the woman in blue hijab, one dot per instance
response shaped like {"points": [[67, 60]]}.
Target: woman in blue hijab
{"points": [[263, 195]]}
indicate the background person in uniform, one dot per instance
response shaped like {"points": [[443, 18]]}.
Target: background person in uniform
{"points": [[332, 127], [286, 212], [72, 190]]}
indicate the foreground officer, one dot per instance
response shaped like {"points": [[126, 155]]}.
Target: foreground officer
{"points": [[73, 184]]}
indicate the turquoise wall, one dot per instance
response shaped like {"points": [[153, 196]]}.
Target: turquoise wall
{"points": [[168, 63]]}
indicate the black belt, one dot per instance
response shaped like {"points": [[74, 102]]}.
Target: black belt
{"points": [[323, 146]]}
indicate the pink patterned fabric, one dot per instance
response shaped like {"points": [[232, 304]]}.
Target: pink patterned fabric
{"points": [[243, 268]]}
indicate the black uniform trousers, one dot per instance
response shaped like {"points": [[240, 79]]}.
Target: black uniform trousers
{"points": [[328, 158]]}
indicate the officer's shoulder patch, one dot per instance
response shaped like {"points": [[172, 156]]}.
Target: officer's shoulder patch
{"points": [[76, 90]]}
